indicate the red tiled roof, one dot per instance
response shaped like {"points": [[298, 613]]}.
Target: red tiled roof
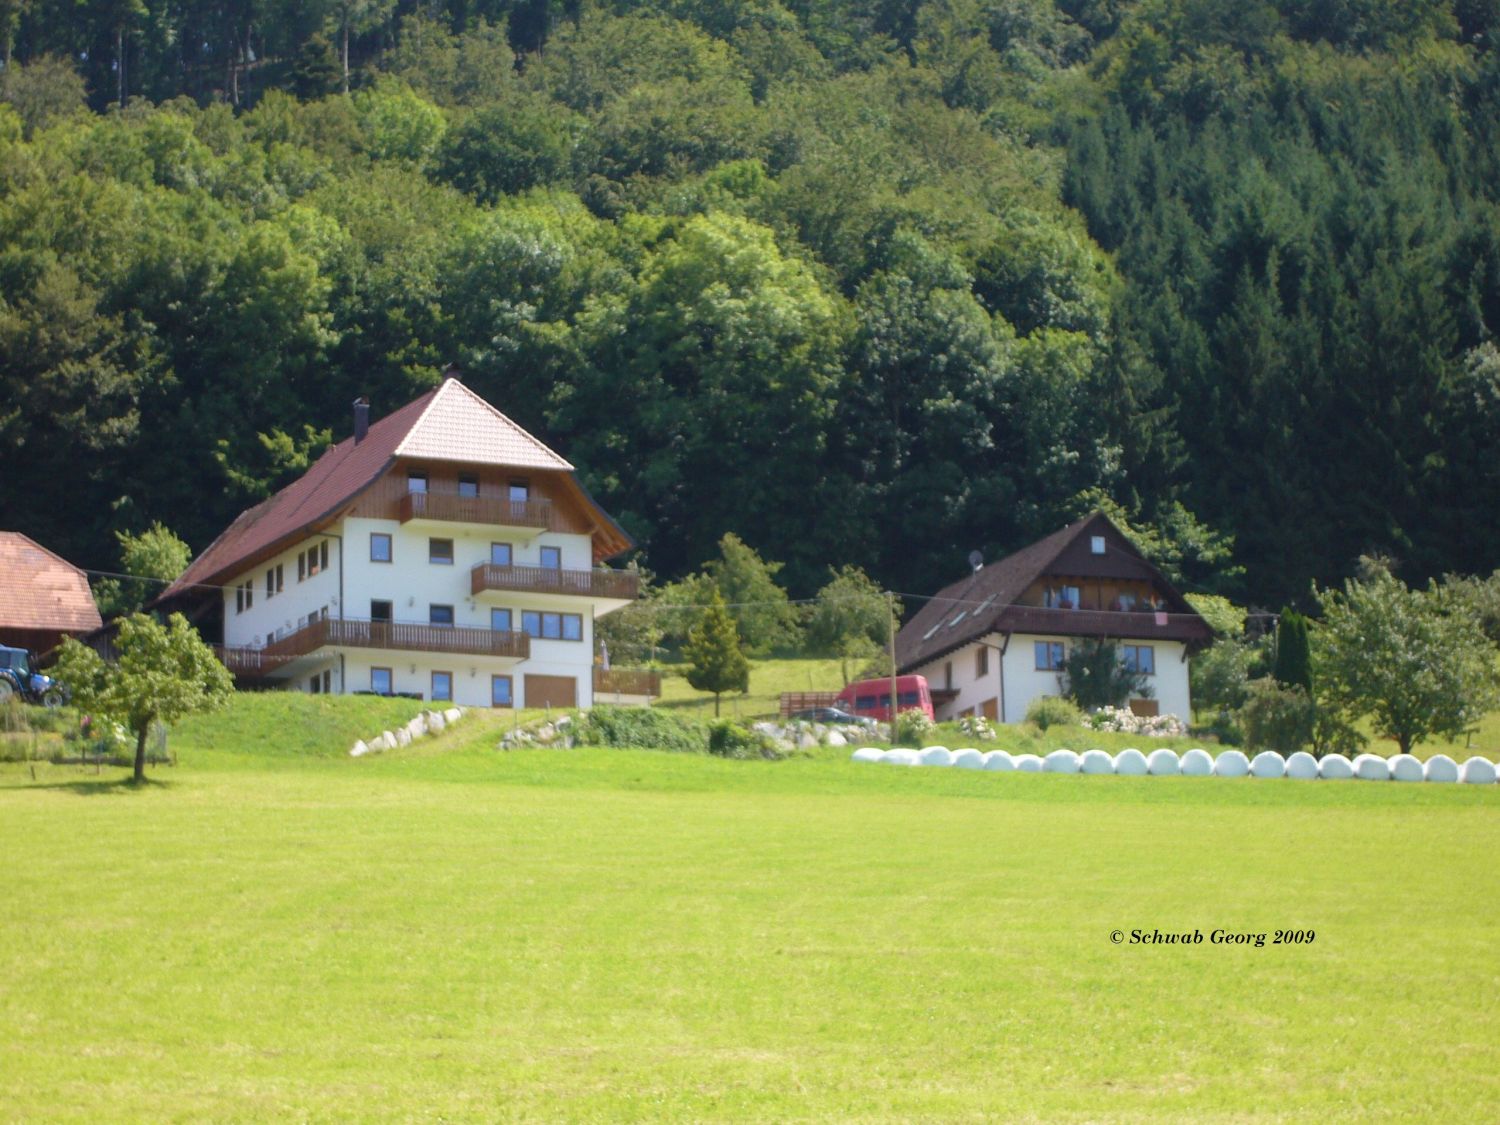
{"points": [[42, 591], [984, 602], [334, 479]]}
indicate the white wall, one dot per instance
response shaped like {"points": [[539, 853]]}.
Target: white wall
{"points": [[266, 616], [1024, 682]]}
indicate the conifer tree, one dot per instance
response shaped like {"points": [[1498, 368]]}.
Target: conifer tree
{"points": [[713, 651], [1293, 652]]}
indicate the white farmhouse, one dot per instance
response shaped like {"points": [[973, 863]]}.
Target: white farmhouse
{"points": [[994, 641], [441, 551]]}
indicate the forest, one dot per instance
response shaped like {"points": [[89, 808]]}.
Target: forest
{"points": [[861, 281]]}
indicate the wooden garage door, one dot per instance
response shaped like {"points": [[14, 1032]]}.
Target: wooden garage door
{"points": [[551, 691]]}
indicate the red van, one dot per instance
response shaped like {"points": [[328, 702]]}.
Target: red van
{"points": [[872, 698]]}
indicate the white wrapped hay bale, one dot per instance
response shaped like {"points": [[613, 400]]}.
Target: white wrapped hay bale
{"points": [[1268, 764], [899, 757], [866, 754], [1197, 763], [1335, 767], [1477, 771], [968, 759], [1371, 767], [1441, 768], [1130, 762], [1302, 766], [1000, 761], [1060, 761], [937, 756], [1096, 761], [1028, 763], [1231, 763], [1404, 767], [1162, 762]]}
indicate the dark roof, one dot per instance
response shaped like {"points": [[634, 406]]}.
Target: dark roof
{"points": [[315, 499], [983, 602], [42, 591]]}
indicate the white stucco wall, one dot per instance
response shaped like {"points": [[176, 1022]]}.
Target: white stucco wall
{"points": [[1024, 682], [254, 627]]}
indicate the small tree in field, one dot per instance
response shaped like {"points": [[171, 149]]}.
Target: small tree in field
{"points": [[713, 650], [851, 618], [164, 672], [1416, 661], [1094, 676]]}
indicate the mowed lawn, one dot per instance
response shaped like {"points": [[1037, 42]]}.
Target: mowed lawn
{"points": [[455, 933]]}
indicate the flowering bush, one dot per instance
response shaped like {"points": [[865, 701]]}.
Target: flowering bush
{"points": [[976, 727], [913, 725], [1125, 721]]}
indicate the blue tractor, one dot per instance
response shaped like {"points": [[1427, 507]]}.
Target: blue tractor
{"points": [[18, 678]]}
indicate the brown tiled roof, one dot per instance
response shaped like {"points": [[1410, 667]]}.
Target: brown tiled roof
{"points": [[42, 591], [480, 434], [984, 601]]}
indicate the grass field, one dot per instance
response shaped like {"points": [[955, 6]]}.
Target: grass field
{"points": [[274, 930]]}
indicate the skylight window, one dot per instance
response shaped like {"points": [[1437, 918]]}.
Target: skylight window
{"points": [[927, 636], [961, 615]]}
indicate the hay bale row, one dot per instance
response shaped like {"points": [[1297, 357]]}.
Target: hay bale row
{"points": [[1163, 762]]}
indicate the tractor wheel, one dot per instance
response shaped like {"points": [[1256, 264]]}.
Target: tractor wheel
{"points": [[54, 698], [7, 689]]}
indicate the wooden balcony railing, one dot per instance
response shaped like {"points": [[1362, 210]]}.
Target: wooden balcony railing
{"points": [[493, 510], [1103, 623], [601, 583], [627, 681], [346, 633]]}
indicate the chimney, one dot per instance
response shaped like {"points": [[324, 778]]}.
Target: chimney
{"points": [[453, 371], [361, 419]]}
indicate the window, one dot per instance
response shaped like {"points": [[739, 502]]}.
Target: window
{"points": [[948, 675], [552, 558], [442, 687], [440, 615], [519, 492], [1096, 544], [1139, 658], [1062, 597], [982, 661], [327, 682], [1049, 656], [380, 681], [440, 551], [468, 485], [500, 620], [502, 692], [312, 560], [323, 554], [315, 685], [416, 480], [500, 554], [244, 596], [867, 702], [552, 626], [380, 611], [380, 547], [301, 566], [274, 581]]}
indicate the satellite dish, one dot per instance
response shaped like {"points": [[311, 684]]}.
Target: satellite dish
{"points": [[976, 561]]}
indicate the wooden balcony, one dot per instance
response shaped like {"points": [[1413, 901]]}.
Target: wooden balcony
{"points": [[494, 511], [1116, 624], [599, 583], [627, 681], [335, 633]]}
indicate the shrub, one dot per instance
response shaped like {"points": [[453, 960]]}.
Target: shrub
{"points": [[644, 728], [913, 725], [1225, 729], [1122, 720], [1053, 711], [728, 739], [976, 727], [1277, 717]]}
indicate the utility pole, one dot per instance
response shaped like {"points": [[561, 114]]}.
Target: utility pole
{"points": [[890, 605]]}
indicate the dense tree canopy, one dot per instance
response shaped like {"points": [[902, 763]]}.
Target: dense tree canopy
{"points": [[870, 284]]}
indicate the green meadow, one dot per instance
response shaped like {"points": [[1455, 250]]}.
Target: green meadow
{"points": [[272, 930]]}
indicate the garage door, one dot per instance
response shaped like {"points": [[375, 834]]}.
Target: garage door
{"points": [[551, 691]]}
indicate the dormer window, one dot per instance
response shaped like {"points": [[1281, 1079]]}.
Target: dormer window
{"points": [[1096, 544]]}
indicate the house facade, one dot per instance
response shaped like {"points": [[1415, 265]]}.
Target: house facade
{"points": [[992, 643], [43, 597], [441, 551]]}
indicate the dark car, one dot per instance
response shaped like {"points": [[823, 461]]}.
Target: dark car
{"points": [[831, 716]]}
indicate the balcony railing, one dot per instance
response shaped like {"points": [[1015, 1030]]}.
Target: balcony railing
{"points": [[347, 633], [601, 583], [627, 681], [493, 510], [1103, 623]]}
